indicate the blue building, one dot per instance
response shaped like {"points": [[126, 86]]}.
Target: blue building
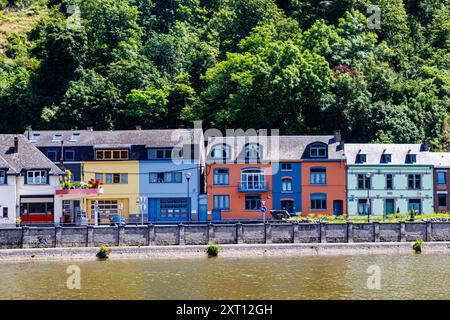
{"points": [[286, 184], [147, 175], [171, 178]]}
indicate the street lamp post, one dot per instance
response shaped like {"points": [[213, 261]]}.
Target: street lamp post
{"points": [[368, 185], [188, 177]]}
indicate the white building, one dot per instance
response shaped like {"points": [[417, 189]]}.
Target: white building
{"points": [[28, 181]]}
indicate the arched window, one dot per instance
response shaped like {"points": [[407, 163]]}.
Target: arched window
{"points": [[318, 201], [221, 151], [318, 175], [253, 151], [286, 184], [252, 179]]}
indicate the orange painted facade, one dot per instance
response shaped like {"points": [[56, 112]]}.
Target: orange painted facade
{"points": [[237, 198], [335, 187]]}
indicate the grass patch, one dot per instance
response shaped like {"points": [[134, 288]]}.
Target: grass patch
{"points": [[418, 245], [20, 20], [213, 250]]}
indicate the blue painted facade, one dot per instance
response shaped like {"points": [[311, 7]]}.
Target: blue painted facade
{"points": [[166, 201], [287, 196]]}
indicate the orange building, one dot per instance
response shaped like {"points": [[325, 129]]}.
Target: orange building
{"points": [[299, 174], [323, 170], [329, 197], [238, 178], [239, 190]]}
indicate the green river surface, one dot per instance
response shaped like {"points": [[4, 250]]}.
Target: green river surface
{"points": [[412, 276]]}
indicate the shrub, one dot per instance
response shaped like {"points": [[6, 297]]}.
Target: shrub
{"points": [[103, 252], [213, 250], [418, 245]]}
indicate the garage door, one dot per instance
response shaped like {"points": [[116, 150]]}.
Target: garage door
{"points": [[168, 209]]}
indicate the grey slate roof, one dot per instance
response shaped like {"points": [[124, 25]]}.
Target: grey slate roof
{"points": [[440, 159], [398, 152], [276, 148], [27, 157], [148, 138]]}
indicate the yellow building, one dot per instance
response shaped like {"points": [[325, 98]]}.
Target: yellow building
{"points": [[120, 188]]}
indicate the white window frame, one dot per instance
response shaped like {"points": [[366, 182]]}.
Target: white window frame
{"points": [[36, 177], [253, 179]]}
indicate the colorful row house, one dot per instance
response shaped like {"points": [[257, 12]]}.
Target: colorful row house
{"points": [[164, 176], [295, 173], [441, 161], [146, 175], [28, 183], [385, 179]]}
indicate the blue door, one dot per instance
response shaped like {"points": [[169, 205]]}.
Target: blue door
{"points": [[168, 209], [203, 212], [216, 214], [337, 207]]}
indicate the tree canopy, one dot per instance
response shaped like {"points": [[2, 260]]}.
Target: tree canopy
{"points": [[301, 66]]}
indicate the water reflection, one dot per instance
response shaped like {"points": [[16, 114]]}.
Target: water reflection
{"points": [[340, 277]]}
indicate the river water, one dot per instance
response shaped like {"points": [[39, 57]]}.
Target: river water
{"points": [[319, 277]]}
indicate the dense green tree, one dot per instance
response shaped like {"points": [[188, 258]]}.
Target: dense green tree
{"points": [[91, 100], [303, 66]]}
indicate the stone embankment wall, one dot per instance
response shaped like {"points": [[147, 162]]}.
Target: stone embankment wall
{"points": [[160, 235]]}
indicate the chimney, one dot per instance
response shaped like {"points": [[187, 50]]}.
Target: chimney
{"points": [[138, 127], [61, 159], [337, 135], [426, 145], [16, 144], [342, 144], [90, 128]]}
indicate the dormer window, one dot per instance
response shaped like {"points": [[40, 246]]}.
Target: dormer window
{"points": [[165, 153], [411, 158], [35, 137], [253, 151], [36, 177], [317, 151], [220, 152], [386, 158], [57, 137], [111, 155], [74, 137], [361, 158]]}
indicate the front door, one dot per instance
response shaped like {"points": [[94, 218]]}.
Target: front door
{"points": [[337, 207], [414, 204], [287, 205], [390, 207]]}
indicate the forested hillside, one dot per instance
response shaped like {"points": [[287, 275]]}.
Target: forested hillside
{"points": [[303, 66]]}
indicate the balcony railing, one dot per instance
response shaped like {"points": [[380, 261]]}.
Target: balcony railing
{"points": [[252, 186]]}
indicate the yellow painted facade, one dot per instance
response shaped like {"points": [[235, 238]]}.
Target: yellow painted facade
{"points": [[117, 198]]}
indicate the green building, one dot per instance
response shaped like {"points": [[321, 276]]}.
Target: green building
{"points": [[384, 179]]}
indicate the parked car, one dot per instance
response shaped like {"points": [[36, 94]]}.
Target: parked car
{"points": [[117, 221], [282, 215]]}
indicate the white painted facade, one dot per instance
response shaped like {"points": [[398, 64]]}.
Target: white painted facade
{"points": [[11, 192]]}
